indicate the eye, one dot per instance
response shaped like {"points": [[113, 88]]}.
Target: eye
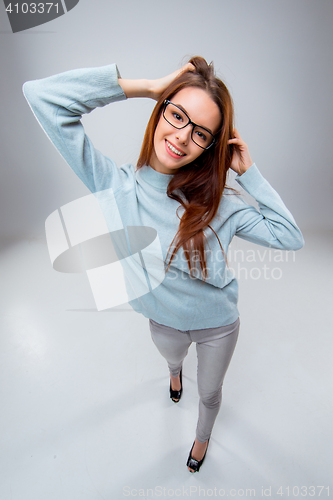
{"points": [[201, 135], [177, 116]]}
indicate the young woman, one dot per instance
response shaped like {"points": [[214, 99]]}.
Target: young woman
{"points": [[179, 189]]}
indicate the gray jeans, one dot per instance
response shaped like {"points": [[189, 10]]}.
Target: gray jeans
{"points": [[215, 347]]}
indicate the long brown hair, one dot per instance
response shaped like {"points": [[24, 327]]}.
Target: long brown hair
{"points": [[202, 181]]}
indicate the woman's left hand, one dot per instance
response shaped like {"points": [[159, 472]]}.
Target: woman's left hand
{"points": [[241, 159]]}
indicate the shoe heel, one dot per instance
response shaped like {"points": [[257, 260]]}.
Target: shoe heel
{"points": [[177, 394], [195, 464]]}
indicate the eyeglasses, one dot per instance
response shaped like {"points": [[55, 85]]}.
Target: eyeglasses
{"points": [[177, 117]]}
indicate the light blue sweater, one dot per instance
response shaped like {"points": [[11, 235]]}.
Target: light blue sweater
{"points": [[179, 301]]}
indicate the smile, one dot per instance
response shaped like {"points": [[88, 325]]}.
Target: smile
{"points": [[173, 149]]}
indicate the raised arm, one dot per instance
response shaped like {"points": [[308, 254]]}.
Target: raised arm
{"points": [[151, 88], [273, 225], [59, 101]]}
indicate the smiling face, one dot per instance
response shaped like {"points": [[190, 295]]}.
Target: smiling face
{"points": [[174, 148]]}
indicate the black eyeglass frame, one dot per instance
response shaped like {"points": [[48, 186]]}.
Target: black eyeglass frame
{"points": [[166, 102]]}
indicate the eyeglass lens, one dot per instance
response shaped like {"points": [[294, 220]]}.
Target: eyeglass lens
{"points": [[178, 119]]}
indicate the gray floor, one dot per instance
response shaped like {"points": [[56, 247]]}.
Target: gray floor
{"points": [[85, 412]]}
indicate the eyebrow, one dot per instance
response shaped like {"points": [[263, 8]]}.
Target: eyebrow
{"points": [[201, 126]]}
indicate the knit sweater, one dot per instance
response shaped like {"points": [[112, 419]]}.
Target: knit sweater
{"points": [[180, 301]]}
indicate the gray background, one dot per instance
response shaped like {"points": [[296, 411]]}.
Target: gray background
{"points": [[276, 58], [85, 408]]}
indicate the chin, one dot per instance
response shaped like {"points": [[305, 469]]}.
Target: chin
{"points": [[164, 165]]}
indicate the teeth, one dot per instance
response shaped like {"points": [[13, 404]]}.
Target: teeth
{"points": [[174, 150]]}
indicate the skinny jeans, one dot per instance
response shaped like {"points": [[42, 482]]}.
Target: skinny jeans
{"points": [[215, 347]]}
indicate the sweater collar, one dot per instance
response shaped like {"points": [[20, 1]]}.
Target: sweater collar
{"points": [[154, 178]]}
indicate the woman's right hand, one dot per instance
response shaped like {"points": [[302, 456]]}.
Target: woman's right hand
{"points": [[151, 88], [158, 86]]}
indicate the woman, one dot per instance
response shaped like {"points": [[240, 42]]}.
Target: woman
{"points": [[179, 189]]}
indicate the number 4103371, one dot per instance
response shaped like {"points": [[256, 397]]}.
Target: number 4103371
{"points": [[32, 8]]}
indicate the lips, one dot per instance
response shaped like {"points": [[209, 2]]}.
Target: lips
{"points": [[173, 151]]}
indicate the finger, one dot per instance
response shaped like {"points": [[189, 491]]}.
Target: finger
{"points": [[175, 74], [237, 134], [187, 67], [236, 141]]}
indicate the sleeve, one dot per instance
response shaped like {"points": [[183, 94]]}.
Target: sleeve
{"points": [[273, 225], [58, 102]]}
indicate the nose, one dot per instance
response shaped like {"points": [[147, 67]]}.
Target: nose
{"points": [[184, 134]]}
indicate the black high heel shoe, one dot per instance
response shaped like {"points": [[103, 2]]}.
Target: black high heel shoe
{"points": [[176, 395], [195, 464]]}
